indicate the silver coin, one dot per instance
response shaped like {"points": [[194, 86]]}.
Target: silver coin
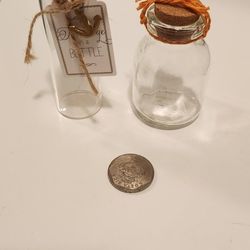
{"points": [[130, 173]]}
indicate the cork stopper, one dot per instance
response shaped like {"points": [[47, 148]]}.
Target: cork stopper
{"points": [[174, 15]]}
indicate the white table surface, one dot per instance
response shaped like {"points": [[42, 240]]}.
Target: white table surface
{"points": [[54, 190]]}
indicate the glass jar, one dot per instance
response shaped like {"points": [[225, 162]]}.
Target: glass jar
{"points": [[75, 96], [169, 79]]}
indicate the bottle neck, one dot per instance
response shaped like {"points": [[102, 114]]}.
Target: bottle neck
{"points": [[173, 34]]}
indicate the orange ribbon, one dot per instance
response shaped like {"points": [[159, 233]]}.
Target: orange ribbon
{"points": [[194, 5]]}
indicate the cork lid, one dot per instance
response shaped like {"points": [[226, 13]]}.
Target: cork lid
{"points": [[173, 15]]}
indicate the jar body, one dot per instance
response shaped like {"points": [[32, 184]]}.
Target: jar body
{"points": [[169, 81], [74, 96]]}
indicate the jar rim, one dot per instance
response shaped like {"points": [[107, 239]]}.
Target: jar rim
{"points": [[173, 33]]}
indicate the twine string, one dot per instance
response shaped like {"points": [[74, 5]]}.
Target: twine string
{"points": [[59, 6], [82, 63]]}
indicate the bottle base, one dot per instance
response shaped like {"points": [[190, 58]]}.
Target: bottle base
{"points": [[160, 125], [80, 104], [167, 109]]}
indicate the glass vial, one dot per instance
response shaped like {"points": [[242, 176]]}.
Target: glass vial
{"points": [[75, 97], [169, 79]]}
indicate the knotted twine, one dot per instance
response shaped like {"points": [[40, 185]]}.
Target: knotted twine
{"points": [[60, 6], [194, 5]]}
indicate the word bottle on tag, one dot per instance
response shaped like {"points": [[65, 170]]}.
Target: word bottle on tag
{"points": [[81, 51]]}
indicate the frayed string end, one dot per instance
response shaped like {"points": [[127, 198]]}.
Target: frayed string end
{"points": [[29, 58]]}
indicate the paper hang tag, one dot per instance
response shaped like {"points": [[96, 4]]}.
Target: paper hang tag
{"points": [[97, 49]]}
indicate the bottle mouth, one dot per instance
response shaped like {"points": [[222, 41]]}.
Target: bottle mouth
{"points": [[171, 33]]}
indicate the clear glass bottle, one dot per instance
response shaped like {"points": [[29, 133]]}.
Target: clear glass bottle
{"points": [[74, 95], [169, 79]]}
